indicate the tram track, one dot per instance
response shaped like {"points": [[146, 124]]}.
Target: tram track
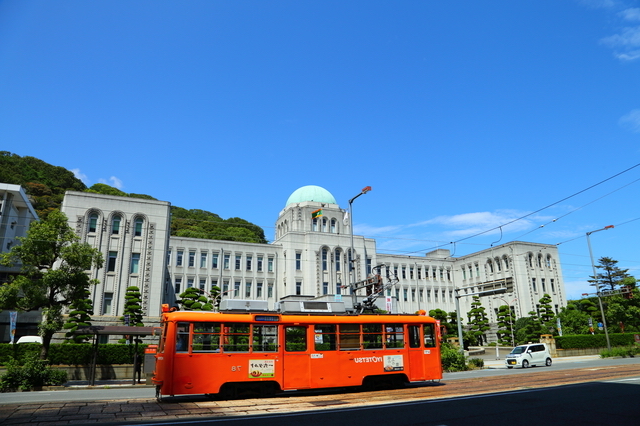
{"points": [[180, 408]]}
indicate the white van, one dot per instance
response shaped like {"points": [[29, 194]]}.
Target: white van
{"points": [[30, 339], [528, 355]]}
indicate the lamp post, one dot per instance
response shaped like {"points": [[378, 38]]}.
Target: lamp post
{"points": [[597, 286], [513, 340], [352, 272]]}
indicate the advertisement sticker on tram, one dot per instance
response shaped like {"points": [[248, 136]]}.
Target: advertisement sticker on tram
{"points": [[259, 368], [393, 363]]}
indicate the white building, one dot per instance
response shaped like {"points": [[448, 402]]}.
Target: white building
{"points": [[16, 214], [309, 257]]}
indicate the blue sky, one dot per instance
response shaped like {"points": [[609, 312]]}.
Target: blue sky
{"points": [[462, 116]]}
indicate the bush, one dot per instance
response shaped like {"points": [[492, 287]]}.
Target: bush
{"points": [[476, 362], [71, 353], [629, 351], [34, 374], [582, 341], [452, 358]]}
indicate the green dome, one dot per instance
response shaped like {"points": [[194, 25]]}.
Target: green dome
{"points": [[311, 193]]}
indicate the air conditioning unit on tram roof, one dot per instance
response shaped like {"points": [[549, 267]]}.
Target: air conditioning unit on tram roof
{"points": [[310, 307], [244, 305]]}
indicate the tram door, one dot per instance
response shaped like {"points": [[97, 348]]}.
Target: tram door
{"points": [[296, 358], [416, 354]]}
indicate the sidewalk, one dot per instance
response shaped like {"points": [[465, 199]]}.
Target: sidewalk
{"points": [[492, 362]]}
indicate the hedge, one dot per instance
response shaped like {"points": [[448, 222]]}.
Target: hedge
{"points": [[582, 341], [72, 354]]}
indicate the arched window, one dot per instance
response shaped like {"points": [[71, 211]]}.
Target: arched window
{"points": [[505, 259], [137, 227], [490, 264], [338, 258], [498, 265], [324, 225], [93, 222], [314, 224], [115, 224], [548, 261], [333, 226], [325, 258]]}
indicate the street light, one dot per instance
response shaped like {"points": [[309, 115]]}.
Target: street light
{"points": [[595, 284], [354, 297]]}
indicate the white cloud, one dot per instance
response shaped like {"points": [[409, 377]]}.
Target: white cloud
{"points": [[79, 175], [631, 121], [631, 14], [113, 181]]}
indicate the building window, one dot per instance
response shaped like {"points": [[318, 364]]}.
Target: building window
{"points": [[325, 288], [298, 261], [337, 260], [314, 224], [135, 262], [115, 225], [236, 289], [413, 294], [324, 225], [404, 272], [225, 288], [270, 264], [259, 265], [338, 288], [369, 265], [533, 284], [238, 261], [177, 285], [203, 260], [214, 283], [226, 261], [189, 282], [106, 304], [247, 290], [192, 259], [169, 257], [405, 294], [333, 226], [179, 258], [298, 288], [325, 253], [249, 260], [203, 284], [270, 290], [93, 222], [137, 227], [553, 287], [259, 290], [543, 284], [421, 295], [214, 260], [111, 261]]}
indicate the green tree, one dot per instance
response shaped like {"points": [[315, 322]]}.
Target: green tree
{"points": [[478, 321], [528, 329], [52, 274], [80, 312], [573, 320], [611, 276], [132, 308], [193, 299], [505, 326]]}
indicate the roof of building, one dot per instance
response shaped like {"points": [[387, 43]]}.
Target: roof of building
{"points": [[311, 193]]}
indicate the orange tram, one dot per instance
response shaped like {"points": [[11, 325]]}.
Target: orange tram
{"points": [[262, 353]]}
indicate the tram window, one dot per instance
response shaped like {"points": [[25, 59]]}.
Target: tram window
{"points": [[349, 337], [206, 337], [182, 337], [265, 338], [325, 337], [295, 339], [236, 337], [414, 336], [395, 336], [429, 336], [372, 336]]}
